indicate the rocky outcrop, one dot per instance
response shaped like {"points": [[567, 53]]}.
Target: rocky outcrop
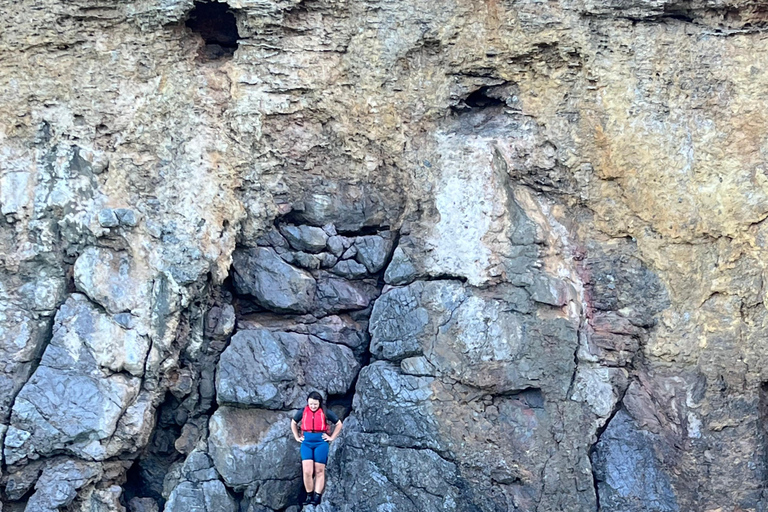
{"points": [[518, 248]]}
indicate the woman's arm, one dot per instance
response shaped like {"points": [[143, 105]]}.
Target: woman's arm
{"points": [[335, 434], [295, 430]]}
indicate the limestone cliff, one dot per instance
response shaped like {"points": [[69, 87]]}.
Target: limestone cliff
{"points": [[519, 246]]}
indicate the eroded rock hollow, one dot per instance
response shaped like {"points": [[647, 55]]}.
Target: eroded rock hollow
{"points": [[519, 247]]}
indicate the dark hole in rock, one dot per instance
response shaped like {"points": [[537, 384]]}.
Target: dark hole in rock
{"points": [[145, 477], [481, 99], [216, 24]]}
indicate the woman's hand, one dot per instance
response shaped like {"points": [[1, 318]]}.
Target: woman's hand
{"points": [[327, 438], [299, 439]]}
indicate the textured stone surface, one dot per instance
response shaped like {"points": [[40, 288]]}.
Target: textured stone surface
{"points": [[278, 369], [59, 483], [253, 450], [305, 238], [199, 488], [74, 401], [575, 195], [628, 473], [111, 279], [478, 340], [274, 284]]}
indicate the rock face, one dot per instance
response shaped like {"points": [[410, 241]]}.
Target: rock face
{"points": [[519, 249], [264, 368]]}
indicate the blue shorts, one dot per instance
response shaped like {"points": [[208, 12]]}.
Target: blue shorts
{"points": [[314, 448]]}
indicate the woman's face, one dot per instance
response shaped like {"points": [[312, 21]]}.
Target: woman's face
{"points": [[313, 404]]}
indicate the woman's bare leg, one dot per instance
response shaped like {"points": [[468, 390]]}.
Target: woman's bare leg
{"points": [[319, 477], [308, 468]]}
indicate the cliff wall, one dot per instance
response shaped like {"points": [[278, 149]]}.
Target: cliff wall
{"points": [[519, 247]]}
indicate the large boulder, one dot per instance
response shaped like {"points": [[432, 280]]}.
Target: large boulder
{"points": [[374, 250], [349, 206], [59, 483], [483, 339], [77, 398], [199, 488], [335, 295], [385, 477], [201, 497], [410, 435], [305, 238], [275, 285], [254, 449], [276, 370]]}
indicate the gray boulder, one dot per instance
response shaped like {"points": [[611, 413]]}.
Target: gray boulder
{"points": [[273, 238], [398, 405], [409, 435], [336, 245], [475, 337], [349, 206], [254, 449], [199, 488], [384, 477], [59, 483], [275, 284], [276, 369], [373, 250], [74, 400], [206, 496], [351, 252], [305, 238], [328, 260], [350, 269], [335, 295], [341, 329], [307, 260], [402, 269]]}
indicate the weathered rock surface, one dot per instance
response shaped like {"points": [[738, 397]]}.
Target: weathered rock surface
{"points": [[254, 451], [79, 392], [274, 284], [482, 341], [627, 470], [59, 483], [551, 216], [199, 488], [276, 370], [110, 279]]}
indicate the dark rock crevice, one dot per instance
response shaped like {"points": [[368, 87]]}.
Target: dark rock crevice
{"points": [[215, 23], [598, 433]]}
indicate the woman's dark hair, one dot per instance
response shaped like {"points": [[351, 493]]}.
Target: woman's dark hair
{"points": [[316, 396]]}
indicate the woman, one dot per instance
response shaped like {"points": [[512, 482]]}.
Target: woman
{"points": [[314, 439]]}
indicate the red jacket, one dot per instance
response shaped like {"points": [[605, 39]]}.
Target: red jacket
{"points": [[313, 421]]}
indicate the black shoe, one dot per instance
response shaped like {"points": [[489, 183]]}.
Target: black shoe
{"points": [[316, 499], [309, 499]]}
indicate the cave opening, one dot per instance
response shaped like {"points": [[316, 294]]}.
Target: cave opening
{"points": [[146, 476], [482, 99], [216, 24]]}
